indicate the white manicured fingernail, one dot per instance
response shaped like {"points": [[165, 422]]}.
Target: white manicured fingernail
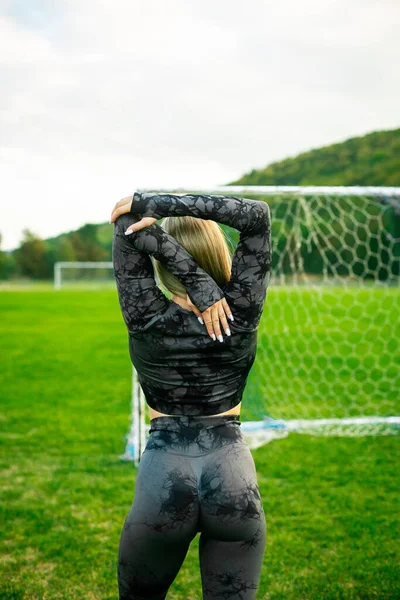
{"points": [[201, 320], [128, 231], [213, 336], [220, 338], [231, 317], [228, 331]]}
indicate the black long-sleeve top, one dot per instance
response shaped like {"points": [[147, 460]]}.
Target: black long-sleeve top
{"points": [[181, 369]]}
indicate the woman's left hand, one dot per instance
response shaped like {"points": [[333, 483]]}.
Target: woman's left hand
{"points": [[124, 206]]}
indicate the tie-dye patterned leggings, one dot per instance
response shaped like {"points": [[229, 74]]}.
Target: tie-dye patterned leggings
{"points": [[196, 474]]}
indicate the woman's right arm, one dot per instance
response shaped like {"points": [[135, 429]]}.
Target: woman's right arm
{"points": [[251, 262]]}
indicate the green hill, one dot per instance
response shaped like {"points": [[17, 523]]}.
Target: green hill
{"points": [[369, 160]]}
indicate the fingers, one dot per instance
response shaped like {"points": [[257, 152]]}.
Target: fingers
{"points": [[118, 210], [122, 206], [215, 317], [223, 322], [227, 308], [215, 322], [195, 309], [145, 222]]}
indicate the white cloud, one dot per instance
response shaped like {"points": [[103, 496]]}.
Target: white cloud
{"points": [[102, 96]]}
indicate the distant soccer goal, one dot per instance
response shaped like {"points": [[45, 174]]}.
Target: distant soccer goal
{"points": [[328, 358], [83, 273]]}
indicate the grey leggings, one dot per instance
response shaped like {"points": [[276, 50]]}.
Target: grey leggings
{"points": [[196, 474]]}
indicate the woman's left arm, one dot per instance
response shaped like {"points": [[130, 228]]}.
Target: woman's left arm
{"points": [[139, 296]]}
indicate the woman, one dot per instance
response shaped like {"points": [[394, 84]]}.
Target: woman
{"points": [[196, 473]]}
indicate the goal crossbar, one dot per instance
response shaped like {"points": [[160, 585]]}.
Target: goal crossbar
{"points": [[276, 190]]}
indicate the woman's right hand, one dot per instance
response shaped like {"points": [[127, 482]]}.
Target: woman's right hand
{"points": [[214, 317]]}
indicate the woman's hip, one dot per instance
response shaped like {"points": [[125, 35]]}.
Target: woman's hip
{"points": [[194, 436], [200, 471]]}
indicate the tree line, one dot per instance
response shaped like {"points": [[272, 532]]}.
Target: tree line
{"points": [[35, 257]]}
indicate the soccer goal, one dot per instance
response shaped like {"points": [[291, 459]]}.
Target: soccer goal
{"points": [[328, 352], [77, 273]]}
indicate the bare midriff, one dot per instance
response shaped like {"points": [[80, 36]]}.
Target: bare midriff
{"points": [[233, 411]]}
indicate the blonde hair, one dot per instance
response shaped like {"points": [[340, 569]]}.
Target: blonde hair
{"points": [[205, 241]]}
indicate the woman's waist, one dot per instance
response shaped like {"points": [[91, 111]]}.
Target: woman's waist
{"points": [[192, 435], [154, 414]]}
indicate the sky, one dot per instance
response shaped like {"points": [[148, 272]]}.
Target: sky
{"points": [[103, 97]]}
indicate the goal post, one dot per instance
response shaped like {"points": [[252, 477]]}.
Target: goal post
{"points": [[328, 351], [77, 267]]}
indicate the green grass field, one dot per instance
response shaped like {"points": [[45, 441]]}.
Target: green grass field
{"points": [[332, 504]]}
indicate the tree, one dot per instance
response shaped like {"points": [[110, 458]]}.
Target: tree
{"points": [[86, 246], [66, 250], [7, 263], [33, 256]]}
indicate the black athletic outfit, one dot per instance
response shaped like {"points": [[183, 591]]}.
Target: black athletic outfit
{"points": [[196, 473]]}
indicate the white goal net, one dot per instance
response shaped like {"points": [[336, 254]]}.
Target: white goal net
{"points": [[328, 352]]}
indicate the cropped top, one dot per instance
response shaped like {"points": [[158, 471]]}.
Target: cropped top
{"points": [[181, 369]]}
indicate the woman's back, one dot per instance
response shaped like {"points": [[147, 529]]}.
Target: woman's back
{"points": [[182, 371]]}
